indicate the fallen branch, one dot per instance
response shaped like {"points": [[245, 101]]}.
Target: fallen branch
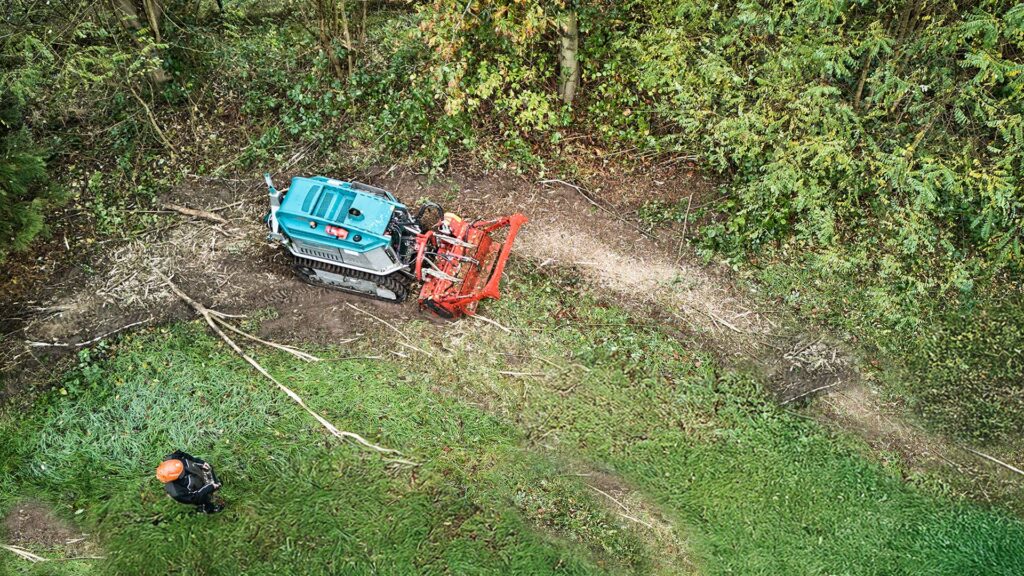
{"points": [[1009, 467], [724, 323], [205, 215], [608, 496], [553, 365], [381, 320], [87, 342], [491, 322], [714, 319], [637, 520], [621, 505], [411, 347], [566, 391], [408, 343], [154, 124], [682, 237], [581, 191], [212, 320], [809, 392], [73, 558], [22, 553], [26, 555], [294, 352], [586, 195]]}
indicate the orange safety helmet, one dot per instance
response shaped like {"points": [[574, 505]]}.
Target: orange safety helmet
{"points": [[169, 470]]}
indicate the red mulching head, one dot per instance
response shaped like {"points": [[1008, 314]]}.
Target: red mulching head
{"points": [[468, 262]]}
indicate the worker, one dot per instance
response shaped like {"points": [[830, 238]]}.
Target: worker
{"points": [[189, 480]]}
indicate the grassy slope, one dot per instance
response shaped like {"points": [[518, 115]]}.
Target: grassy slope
{"points": [[761, 491], [298, 502], [754, 489]]}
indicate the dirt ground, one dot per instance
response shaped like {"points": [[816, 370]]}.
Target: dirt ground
{"points": [[31, 524], [592, 230]]}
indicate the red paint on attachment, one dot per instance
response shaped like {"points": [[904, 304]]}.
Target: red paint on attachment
{"points": [[339, 233], [477, 267]]}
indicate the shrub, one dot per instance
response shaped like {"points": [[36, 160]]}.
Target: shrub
{"points": [[25, 193]]}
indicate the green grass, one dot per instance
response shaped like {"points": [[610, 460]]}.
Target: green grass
{"points": [[749, 488], [757, 489], [298, 501]]}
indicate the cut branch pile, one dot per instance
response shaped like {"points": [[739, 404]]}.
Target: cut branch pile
{"points": [[218, 320]]}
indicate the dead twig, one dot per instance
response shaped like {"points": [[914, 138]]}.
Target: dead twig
{"points": [[389, 325], [411, 347], [34, 558], [210, 316], [581, 191], [724, 323], [153, 123], [1009, 467], [624, 514], [552, 364], [22, 553], [809, 392], [73, 558], [608, 496], [566, 391], [205, 215], [682, 237], [715, 319], [491, 322], [284, 348], [637, 520], [586, 195], [87, 342]]}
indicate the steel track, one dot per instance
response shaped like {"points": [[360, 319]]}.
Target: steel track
{"points": [[393, 282]]}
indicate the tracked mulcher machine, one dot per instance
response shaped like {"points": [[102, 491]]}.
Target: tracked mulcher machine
{"points": [[361, 239]]}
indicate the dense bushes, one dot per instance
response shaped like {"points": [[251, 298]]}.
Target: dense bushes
{"points": [[891, 132], [880, 143], [895, 139]]}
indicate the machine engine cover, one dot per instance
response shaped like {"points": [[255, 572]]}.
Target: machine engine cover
{"points": [[338, 222]]}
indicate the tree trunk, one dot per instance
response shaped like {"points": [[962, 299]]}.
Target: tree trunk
{"points": [[331, 18], [153, 13], [362, 25], [326, 12], [863, 78], [568, 58], [349, 55], [129, 16]]}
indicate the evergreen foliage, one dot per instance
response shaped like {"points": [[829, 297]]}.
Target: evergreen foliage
{"points": [[24, 194]]}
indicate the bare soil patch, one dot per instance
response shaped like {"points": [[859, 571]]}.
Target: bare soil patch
{"points": [[34, 526]]}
